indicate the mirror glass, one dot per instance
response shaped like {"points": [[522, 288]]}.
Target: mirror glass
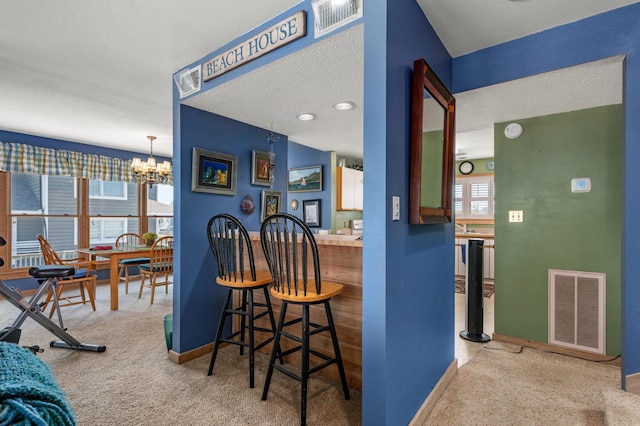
{"points": [[432, 148]]}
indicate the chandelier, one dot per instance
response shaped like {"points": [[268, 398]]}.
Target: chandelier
{"points": [[148, 171]]}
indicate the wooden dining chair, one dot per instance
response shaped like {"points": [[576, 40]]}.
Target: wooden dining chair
{"points": [[84, 280], [160, 265], [292, 255], [232, 250], [129, 240]]}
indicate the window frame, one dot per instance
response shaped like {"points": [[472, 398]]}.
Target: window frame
{"points": [[125, 194], [82, 224], [466, 183]]}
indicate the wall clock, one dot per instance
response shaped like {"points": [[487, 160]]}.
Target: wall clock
{"points": [[490, 165], [294, 204], [465, 167]]}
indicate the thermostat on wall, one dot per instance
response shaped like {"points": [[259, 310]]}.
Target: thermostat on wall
{"points": [[580, 185]]}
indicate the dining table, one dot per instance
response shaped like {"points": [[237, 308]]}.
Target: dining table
{"points": [[115, 255]]}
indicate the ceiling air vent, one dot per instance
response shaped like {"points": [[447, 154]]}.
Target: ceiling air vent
{"points": [[188, 81], [332, 14]]}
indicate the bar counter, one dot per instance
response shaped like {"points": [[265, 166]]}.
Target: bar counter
{"points": [[340, 261]]}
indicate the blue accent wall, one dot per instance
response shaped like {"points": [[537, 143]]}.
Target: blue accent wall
{"points": [[197, 298], [605, 35], [408, 305], [303, 156]]}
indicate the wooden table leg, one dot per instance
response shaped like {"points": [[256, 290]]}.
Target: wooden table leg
{"points": [[113, 282]]}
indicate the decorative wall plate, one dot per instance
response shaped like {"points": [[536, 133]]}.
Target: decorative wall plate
{"points": [[294, 204], [247, 205]]}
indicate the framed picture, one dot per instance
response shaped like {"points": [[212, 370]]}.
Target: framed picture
{"points": [[213, 172], [260, 168], [271, 203], [305, 179], [311, 213]]}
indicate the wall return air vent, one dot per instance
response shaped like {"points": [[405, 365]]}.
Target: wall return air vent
{"points": [[330, 15], [577, 310]]}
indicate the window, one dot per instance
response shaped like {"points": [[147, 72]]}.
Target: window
{"points": [[74, 212], [41, 205], [107, 189], [160, 209], [474, 197], [106, 230]]}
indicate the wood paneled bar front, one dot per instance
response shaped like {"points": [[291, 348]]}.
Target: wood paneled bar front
{"points": [[340, 261]]}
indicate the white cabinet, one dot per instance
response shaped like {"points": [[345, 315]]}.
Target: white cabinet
{"points": [[350, 188]]}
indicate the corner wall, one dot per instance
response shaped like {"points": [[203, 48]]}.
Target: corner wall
{"points": [[408, 297]]}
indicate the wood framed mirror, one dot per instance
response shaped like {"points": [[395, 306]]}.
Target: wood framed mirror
{"points": [[432, 147]]}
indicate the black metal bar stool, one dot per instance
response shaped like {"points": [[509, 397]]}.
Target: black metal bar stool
{"points": [[292, 255]]}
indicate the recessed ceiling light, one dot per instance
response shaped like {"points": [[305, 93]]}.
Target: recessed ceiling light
{"points": [[344, 106], [306, 116]]}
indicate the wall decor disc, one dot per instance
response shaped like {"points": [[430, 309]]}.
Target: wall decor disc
{"points": [[247, 205]]}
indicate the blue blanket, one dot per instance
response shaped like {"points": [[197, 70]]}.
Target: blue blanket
{"points": [[29, 394]]}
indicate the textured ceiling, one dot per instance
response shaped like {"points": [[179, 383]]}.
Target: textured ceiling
{"points": [[272, 96], [470, 25], [585, 86], [101, 72]]}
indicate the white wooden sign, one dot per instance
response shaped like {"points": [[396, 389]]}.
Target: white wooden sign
{"points": [[280, 34]]}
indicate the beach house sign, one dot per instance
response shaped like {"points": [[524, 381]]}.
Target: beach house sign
{"points": [[278, 35]]}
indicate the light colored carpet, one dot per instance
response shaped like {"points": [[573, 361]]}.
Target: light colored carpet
{"points": [[135, 383], [502, 387]]}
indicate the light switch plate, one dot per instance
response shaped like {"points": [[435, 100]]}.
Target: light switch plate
{"points": [[395, 207], [516, 216]]}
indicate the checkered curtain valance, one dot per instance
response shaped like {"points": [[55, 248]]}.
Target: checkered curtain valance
{"points": [[22, 158]]}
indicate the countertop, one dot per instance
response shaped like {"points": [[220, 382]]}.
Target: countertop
{"points": [[324, 240], [475, 235]]}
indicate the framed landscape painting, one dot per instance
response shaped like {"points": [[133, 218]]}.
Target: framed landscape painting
{"points": [[213, 172], [305, 179]]}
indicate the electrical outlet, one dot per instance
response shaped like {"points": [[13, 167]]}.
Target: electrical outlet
{"points": [[516, 216], [395, 208]]}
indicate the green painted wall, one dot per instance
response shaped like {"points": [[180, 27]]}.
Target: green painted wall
{"points": [[561, 229], [431, 175]]}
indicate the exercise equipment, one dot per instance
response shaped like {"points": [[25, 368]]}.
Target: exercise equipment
{"points": [[47, 277]]}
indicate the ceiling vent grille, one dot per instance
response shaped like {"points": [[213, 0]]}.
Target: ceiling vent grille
{"points": [[188, 81], [330, 15], [577, 310]]}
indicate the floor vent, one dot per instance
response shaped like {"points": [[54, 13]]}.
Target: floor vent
{"points": [[332, 14], [577, 310]]}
